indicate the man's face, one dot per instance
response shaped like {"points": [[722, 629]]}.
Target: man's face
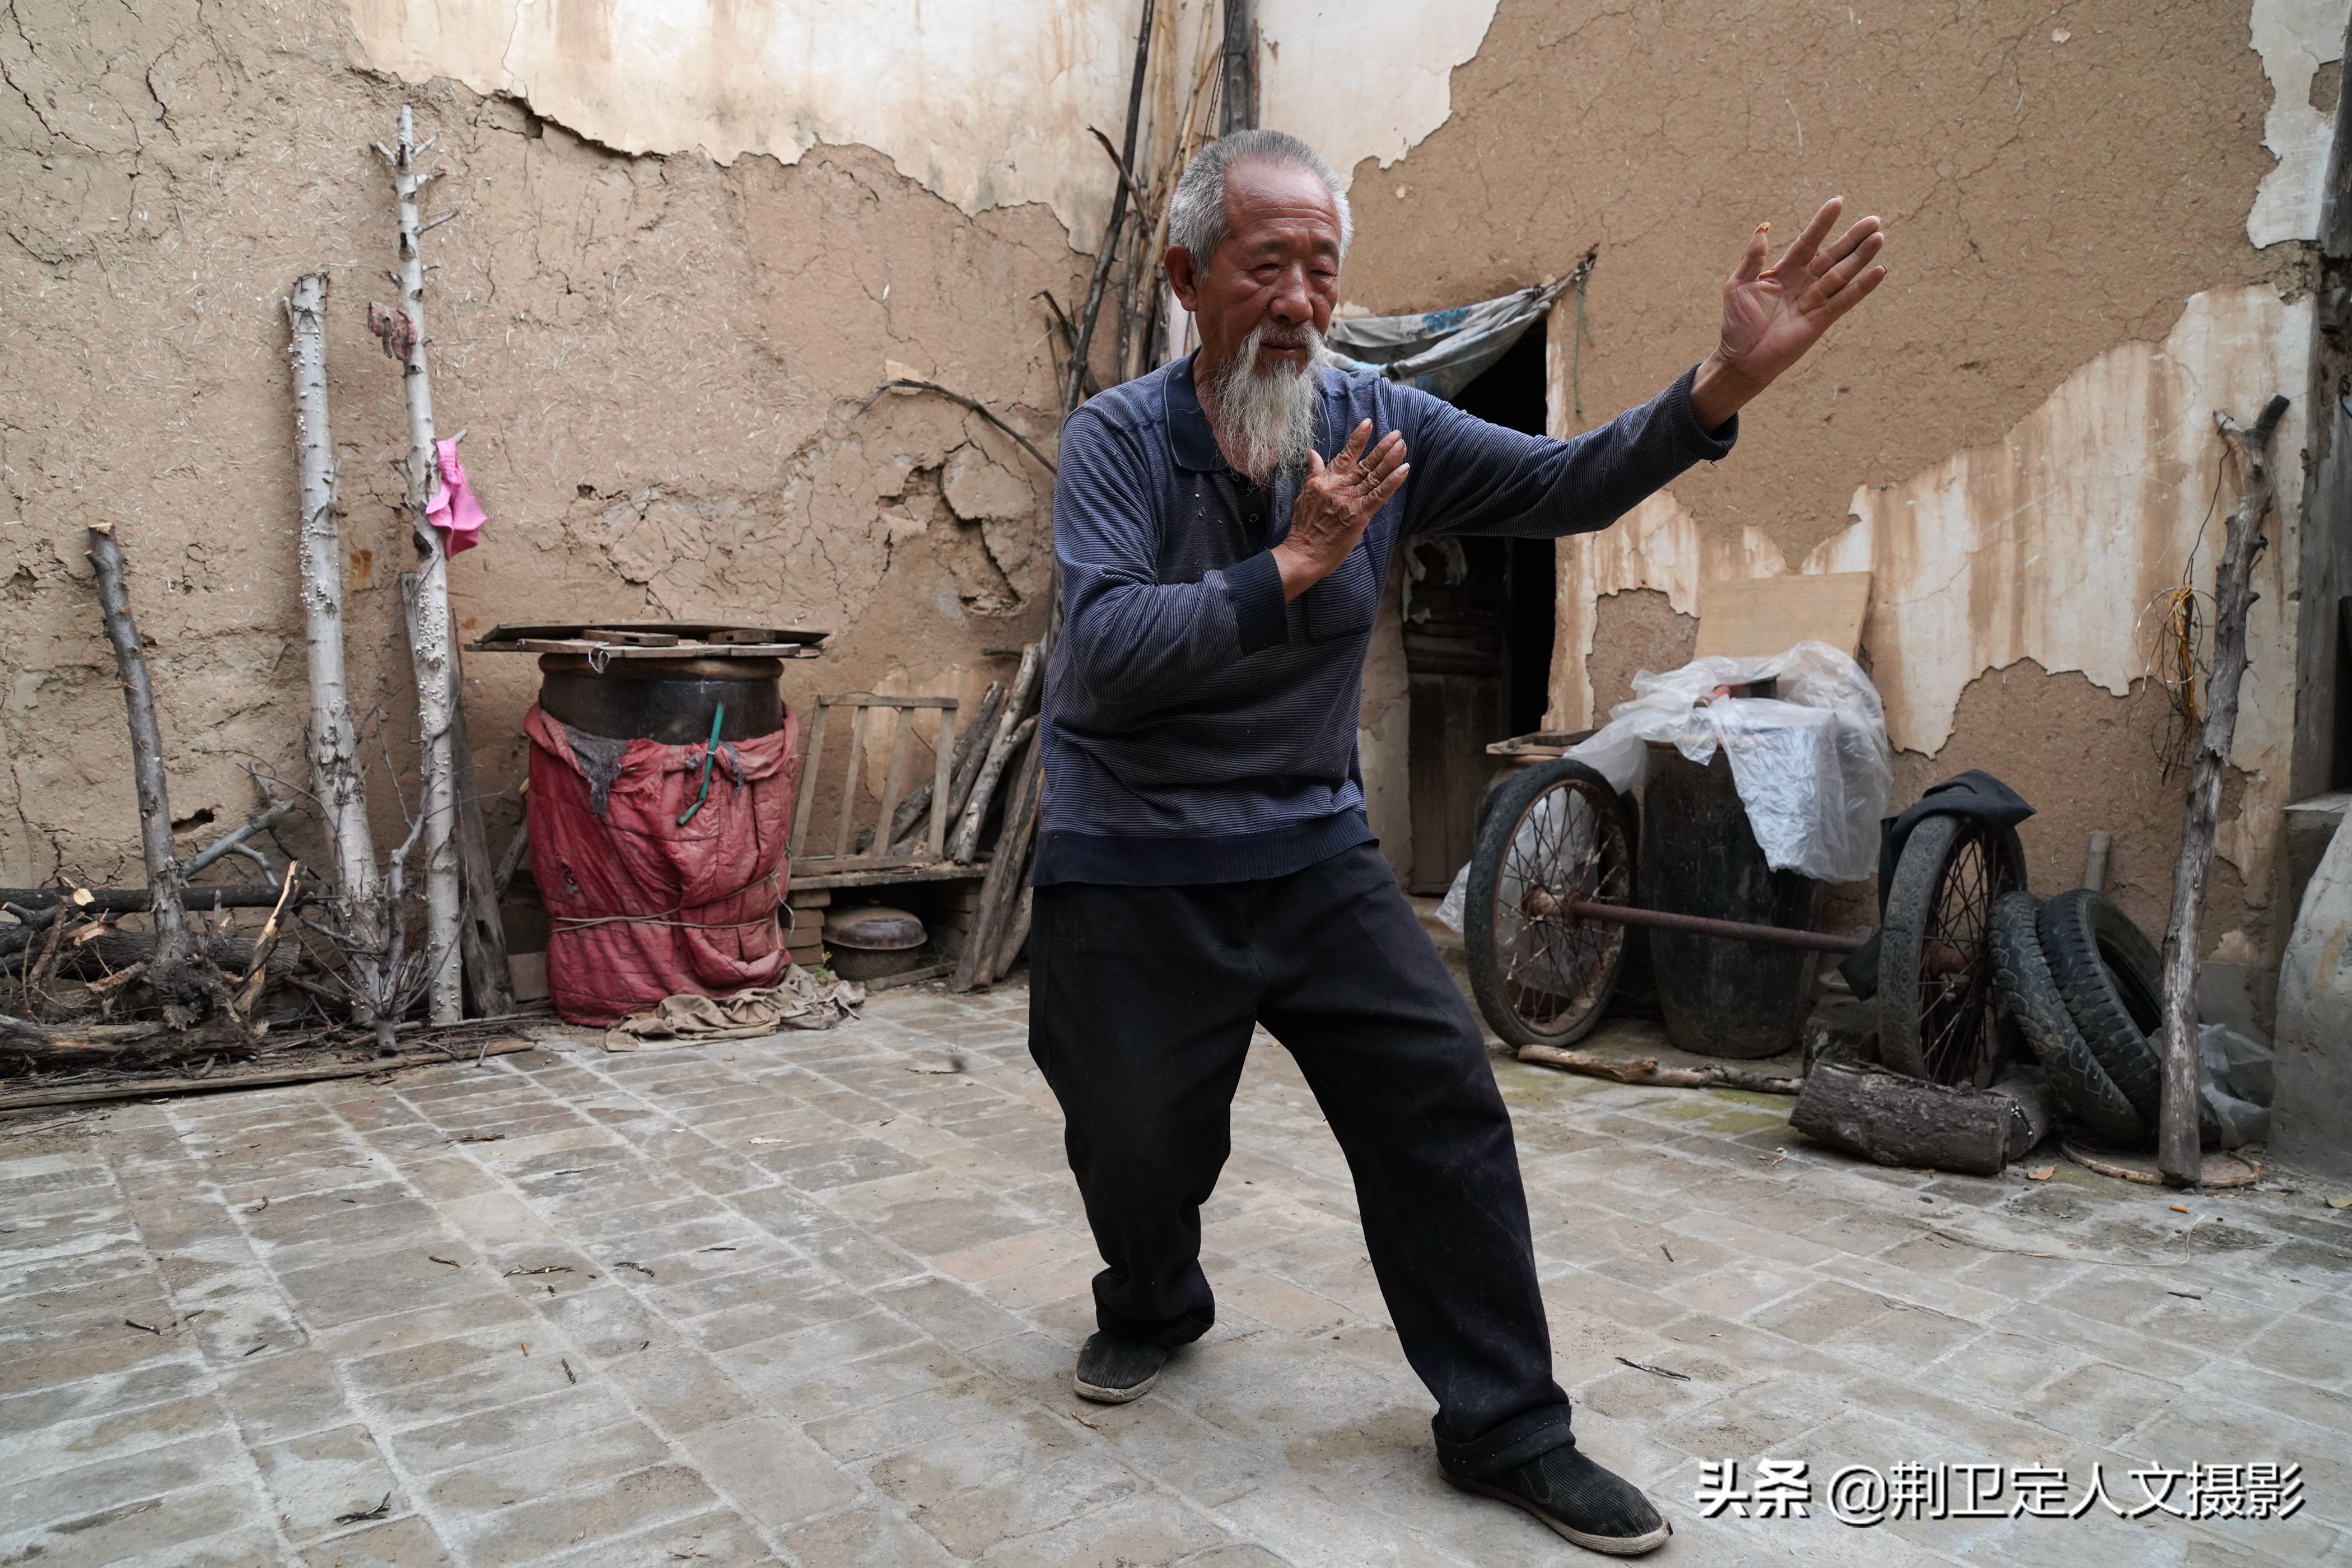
{"points": [[1278, 267]]}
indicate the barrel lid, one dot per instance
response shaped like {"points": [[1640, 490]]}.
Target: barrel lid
{"points": [[874, 928]]}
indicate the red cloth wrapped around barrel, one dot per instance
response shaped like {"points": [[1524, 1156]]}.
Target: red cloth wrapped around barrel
{"points": [[638, 907]]}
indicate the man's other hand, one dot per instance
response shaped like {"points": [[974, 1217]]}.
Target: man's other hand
{"points": [[1334, 504], [1772, 316]]}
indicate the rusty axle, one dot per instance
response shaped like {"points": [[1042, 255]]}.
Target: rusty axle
{"points": [[1700, 925]]}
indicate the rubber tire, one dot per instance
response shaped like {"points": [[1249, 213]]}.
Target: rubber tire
{"points": [[2022, 976], [1905, 921], [1493, 846], [2111, 976]]}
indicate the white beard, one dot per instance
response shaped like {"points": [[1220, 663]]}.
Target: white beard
{"points": [[1268, 419]]}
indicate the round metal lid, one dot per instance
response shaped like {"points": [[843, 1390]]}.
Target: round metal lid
{"points": [[874, 928]]}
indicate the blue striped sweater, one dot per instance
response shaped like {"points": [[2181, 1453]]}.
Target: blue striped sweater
{"points": [[1197, 727]]}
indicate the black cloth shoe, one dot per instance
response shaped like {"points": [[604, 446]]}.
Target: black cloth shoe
{"points": [[1578, 1499], [1114, 1369]]}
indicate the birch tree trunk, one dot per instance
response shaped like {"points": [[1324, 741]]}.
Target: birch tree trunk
{"points": [[335, 772], [429, 630], [2177, 1152]]}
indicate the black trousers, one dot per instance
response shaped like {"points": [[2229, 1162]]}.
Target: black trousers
{"points": [[1141, 1004]]}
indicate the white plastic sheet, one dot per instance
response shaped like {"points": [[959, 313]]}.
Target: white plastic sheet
{"points": [[1811, 765]]}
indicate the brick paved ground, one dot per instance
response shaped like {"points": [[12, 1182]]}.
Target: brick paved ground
{"points": [[814, 1300]]}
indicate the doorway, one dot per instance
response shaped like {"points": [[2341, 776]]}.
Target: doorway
{"points": [[1478, 642]]}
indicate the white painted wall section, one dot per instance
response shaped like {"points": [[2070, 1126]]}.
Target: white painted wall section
{"points": [[1366, 80], [985, 103], [2295, 37], [2049, 544]]}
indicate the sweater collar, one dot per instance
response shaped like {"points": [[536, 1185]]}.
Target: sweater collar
{"points": [[1188, 436]]}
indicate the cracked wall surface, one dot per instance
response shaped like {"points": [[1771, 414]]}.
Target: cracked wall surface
{"points": [[659, 361], [2014, 434]]}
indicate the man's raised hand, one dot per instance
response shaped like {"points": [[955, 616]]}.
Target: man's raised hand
{"points": [[1335, 502], [1772, 315]]}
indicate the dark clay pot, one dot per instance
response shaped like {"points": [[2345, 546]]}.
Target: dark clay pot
{"points": [[666, 700]]}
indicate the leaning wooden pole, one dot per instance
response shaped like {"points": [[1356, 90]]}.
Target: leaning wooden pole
{"points": [[1082, 346], [174, 972], [429, 640], [2178, 1151], [336, 776]]}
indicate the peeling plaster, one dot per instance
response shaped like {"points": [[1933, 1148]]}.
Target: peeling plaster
{"points": [[985, 104], [2295, 37], [1367, 79], [2048, 544], [2051, 543], [1656, 545]]}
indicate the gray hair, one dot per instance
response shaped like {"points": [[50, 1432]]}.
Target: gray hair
{"points": [[1196, 213]]}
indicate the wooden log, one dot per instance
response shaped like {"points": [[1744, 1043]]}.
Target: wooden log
{"points": [[30, 1045], [965, 845], [2095, 861], [962, 767], [176, 969], [257, 973], [2178, 1154], [976, 966], [116, 951], [135, 901], [308, 1067], [966, 848], [1890, 1118], [1018, 840], [481, 929], [1080, 357], [1646, 1070]]}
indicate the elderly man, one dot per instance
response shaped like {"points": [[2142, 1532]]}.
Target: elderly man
{"points": [[1224, 526]]}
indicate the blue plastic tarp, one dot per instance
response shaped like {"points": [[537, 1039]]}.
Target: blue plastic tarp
{"points": [[1440, 352]]}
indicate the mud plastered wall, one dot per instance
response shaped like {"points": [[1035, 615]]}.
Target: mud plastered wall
{"points": [[659, 361], [2014, 434]]}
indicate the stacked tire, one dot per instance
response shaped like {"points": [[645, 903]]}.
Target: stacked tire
{"points": [[2083, 983]]}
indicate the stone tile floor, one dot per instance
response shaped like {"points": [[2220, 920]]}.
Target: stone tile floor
{"points": [[814, 1299]]}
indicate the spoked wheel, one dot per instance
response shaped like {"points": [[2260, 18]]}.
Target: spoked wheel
{"points": [[1555, 832], [1936, 1013]]}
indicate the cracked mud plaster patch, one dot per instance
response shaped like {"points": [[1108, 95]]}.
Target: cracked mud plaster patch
{"points": [[691, 340]]}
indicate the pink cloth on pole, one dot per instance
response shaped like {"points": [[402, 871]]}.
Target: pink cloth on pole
{"points": [[455, 510]]}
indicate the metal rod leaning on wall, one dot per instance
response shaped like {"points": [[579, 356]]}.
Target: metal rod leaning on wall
{"points": [[428, 603], [2177, 1152]]}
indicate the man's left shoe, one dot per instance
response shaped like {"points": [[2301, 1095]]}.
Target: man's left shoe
{"points": [[1579, 1500], [1114, 1369]]}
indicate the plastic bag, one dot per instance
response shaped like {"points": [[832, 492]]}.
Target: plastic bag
{"points": [[1811, 765]]}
